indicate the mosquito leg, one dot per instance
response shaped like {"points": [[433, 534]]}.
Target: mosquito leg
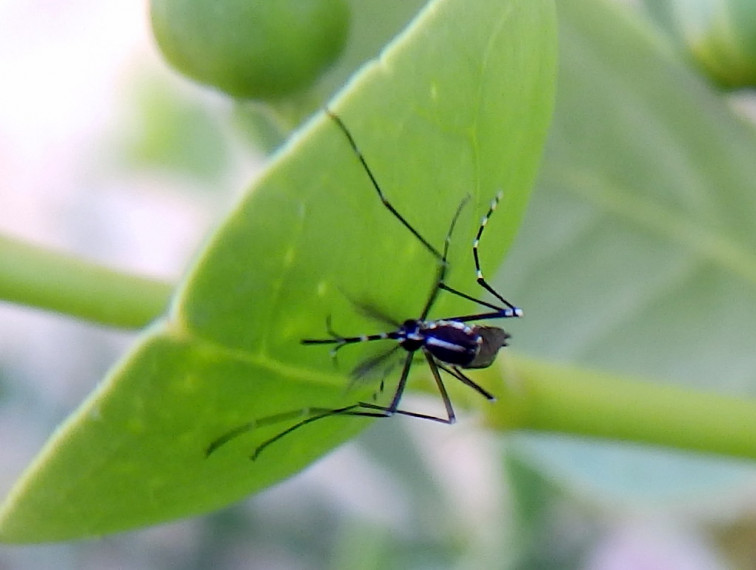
{"points": [[459, 375], [342, 340], [254, 424], [347, 410], [309, 414], [377, 187], [503, 312], [500, 314], [352, 410], [394, 405], [407, 413], [392, 409], [478, 273], [361, 409], [441, 275], [441, 388]]}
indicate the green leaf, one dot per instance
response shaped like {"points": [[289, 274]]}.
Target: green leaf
{"points": [[637, 253], [456, 106]]}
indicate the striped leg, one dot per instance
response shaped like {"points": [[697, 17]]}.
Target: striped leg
{"points": [[478, 273], [341, 341], [506, 312]]}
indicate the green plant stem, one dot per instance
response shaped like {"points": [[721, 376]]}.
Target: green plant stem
{"points": [[541, 397], [44, 279], [547, 397]]}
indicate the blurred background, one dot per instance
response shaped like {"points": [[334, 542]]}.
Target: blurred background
{"points": [[107, 153]]}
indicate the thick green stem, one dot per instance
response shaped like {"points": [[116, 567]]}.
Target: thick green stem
{"points": [[540, 396], [559, 399], [55, 281]]}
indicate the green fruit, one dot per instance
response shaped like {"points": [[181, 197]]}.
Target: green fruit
{"points": [[719, 34], [261, 49]]}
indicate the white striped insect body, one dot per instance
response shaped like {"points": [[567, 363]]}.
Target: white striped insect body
{"points": [[449, 345]]}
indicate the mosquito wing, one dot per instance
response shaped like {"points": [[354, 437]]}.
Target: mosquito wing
{"points": [[377, 366], [374, 313]]}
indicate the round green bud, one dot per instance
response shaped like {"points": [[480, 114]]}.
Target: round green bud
{"points": [[721, 37], [256, 49]]}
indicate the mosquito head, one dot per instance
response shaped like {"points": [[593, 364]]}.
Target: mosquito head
{"points": [[410, 336]]}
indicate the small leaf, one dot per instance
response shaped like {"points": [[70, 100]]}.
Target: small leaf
{"points": [[457, 106]]}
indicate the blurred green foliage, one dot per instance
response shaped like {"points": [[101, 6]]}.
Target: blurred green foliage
{"points": [[635, 257], [718, 35]]}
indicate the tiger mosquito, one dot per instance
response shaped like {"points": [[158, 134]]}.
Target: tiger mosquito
{"points": [[448, 345]]}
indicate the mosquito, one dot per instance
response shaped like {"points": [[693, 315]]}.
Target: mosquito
{"points": [[449, 345]]}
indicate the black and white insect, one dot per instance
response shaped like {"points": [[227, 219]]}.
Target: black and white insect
{"points": [[449, 345]]}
